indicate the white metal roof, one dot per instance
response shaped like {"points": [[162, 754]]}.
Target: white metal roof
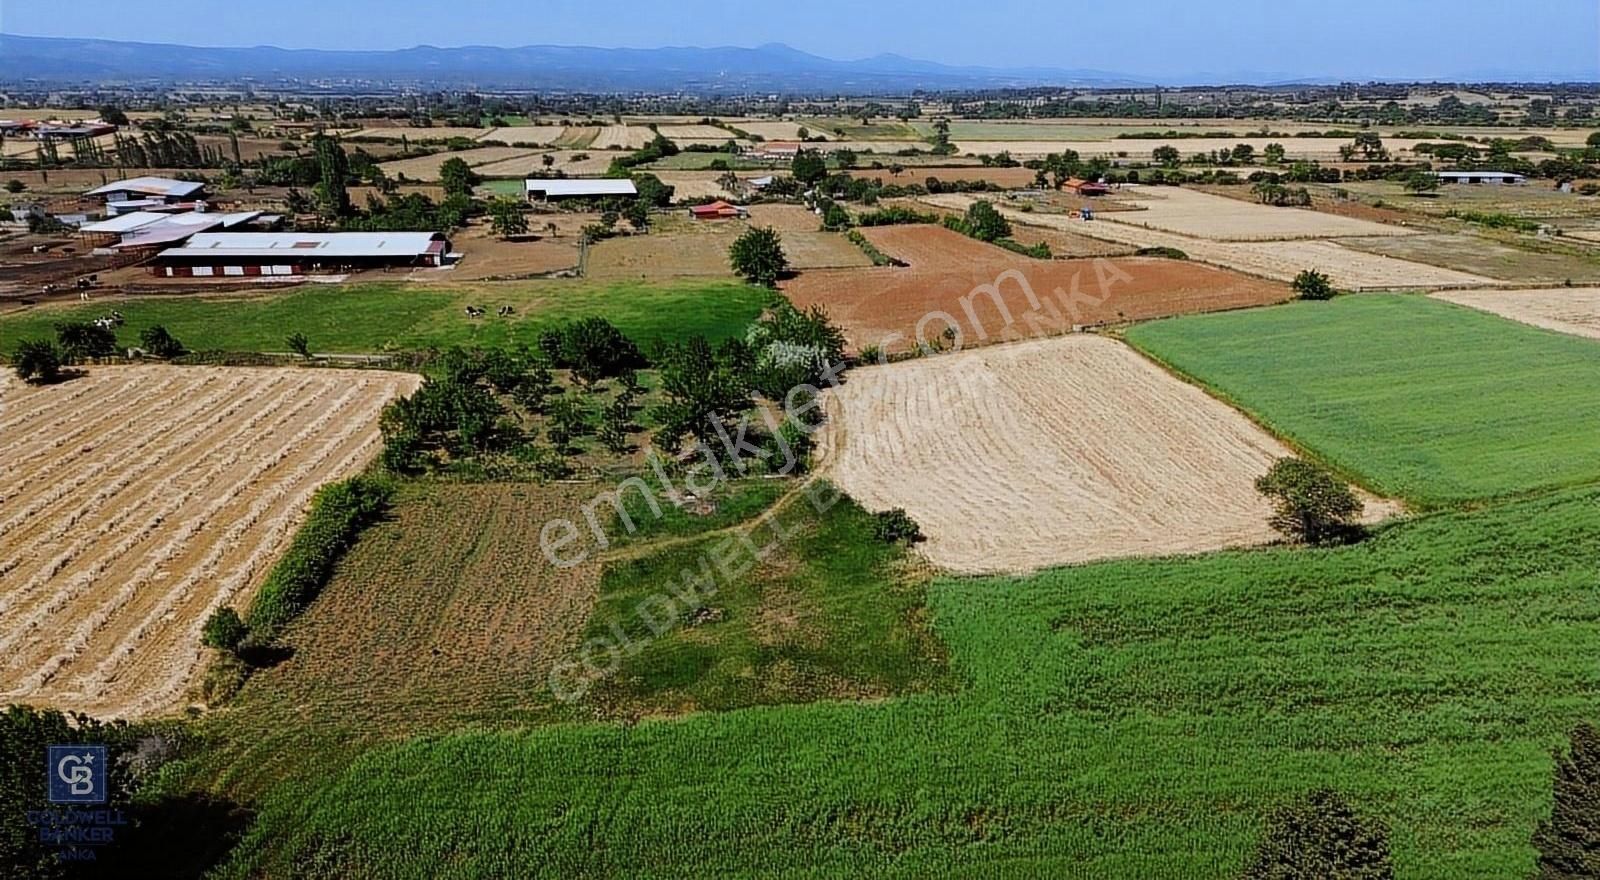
{"points": [[156, 186], [1479, 174], [582, 186], [315, 244], [125, 222]]}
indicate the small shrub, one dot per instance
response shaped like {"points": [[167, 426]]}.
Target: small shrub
{"points": [[1568, 842], [224, 630], [895, 526], [37, 361], [1167, 253], [158, 342], [299, 344], [1313, 285]]}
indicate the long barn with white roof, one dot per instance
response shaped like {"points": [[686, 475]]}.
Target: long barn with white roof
{"points": [[299, 253]]}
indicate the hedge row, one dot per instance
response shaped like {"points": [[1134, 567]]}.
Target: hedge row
{"points": [[338, 514]]}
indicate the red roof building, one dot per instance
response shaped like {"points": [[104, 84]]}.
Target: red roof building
{"points": [[1086, 187], [718, 210]]}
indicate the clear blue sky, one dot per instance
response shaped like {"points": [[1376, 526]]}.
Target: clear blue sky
{"points": [[1357, 39]]}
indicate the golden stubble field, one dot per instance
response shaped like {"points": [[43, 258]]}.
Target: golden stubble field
{"points": [[1574, 310], [136, 500], [1051, 452]]}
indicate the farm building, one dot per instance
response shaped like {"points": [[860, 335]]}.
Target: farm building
{"points": [[718, 210], [542, 190], [1490, 177], [299, 253], [775, 150], [147, 230], [141, 193], [1086, 187]]}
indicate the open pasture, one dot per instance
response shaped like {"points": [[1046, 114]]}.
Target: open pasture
{"points": [[1412, 397], [374, 317], [1006, 177], [1135, 718], [1538, 200], [705, 252], [139, 499], [1535, 261], [1320, 149], [1050, 452], [1219, 218], [1572, 310], [990, 294]]}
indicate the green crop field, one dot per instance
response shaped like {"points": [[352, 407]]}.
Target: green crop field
{"points": [[1127, 719], [1419, 399], [392, 316]]}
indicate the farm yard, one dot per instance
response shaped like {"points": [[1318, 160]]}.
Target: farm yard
{"points": [[706, 253], [193, 481], [989, 294], [1563, 309], [1050, 452], [1417, 399]]}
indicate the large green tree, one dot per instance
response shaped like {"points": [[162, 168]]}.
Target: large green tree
{"points": [[1309, 503], [758, 256]]}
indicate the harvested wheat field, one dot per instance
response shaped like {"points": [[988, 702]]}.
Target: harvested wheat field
{"points": [[992, 295], [1050, 452], [1012, 177], [1203, 215], [695, 133], [136, 500], [570, 162], [1574, 310], [1279, 260], [622, 137]]}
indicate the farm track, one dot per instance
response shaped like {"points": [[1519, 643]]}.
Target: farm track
{"points": [[182, 512]]}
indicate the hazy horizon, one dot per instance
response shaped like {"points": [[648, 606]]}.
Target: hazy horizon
{"points": [[1357, 40]]}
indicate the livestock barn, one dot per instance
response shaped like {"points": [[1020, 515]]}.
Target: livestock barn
{"points": [[144, 193], [542, 190], [299, 253]]}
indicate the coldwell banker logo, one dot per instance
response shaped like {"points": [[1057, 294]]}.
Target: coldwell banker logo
{"points": [[77, 774]]}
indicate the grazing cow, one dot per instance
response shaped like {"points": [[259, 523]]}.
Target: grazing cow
{"points": [[474, 312], [506, 311]]}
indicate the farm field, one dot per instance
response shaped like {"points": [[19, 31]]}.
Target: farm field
{"points": [[1050, 452], [444, 613], [427, 167], [1007, 177], [1536, 201], [371, 317], [1563, 309], [1539, 262], [621, 137], [139, 499], [1414, 398], [1203, 215], [1123, 719], [570, 162], [1279, 260], [948, 274]]}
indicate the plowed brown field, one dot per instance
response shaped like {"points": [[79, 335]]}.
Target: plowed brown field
{"points": [[136, 500], [990, 294], [1050, 452]]}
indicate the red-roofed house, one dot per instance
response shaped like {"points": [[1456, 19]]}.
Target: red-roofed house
{"points": [[718, 210], [1086, 187]]}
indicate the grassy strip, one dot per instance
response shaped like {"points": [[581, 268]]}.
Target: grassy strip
{"points": [[1494, 220], [878, 258], [339, 513]]}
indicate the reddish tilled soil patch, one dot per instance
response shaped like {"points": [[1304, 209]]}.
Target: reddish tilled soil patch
{"points": [[990, 295]]}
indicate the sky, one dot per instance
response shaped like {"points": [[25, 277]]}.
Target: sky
{"points": [[1350, 39]]}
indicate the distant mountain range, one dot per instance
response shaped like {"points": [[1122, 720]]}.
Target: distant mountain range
{"points": [[763, 69], [770, 68]]}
